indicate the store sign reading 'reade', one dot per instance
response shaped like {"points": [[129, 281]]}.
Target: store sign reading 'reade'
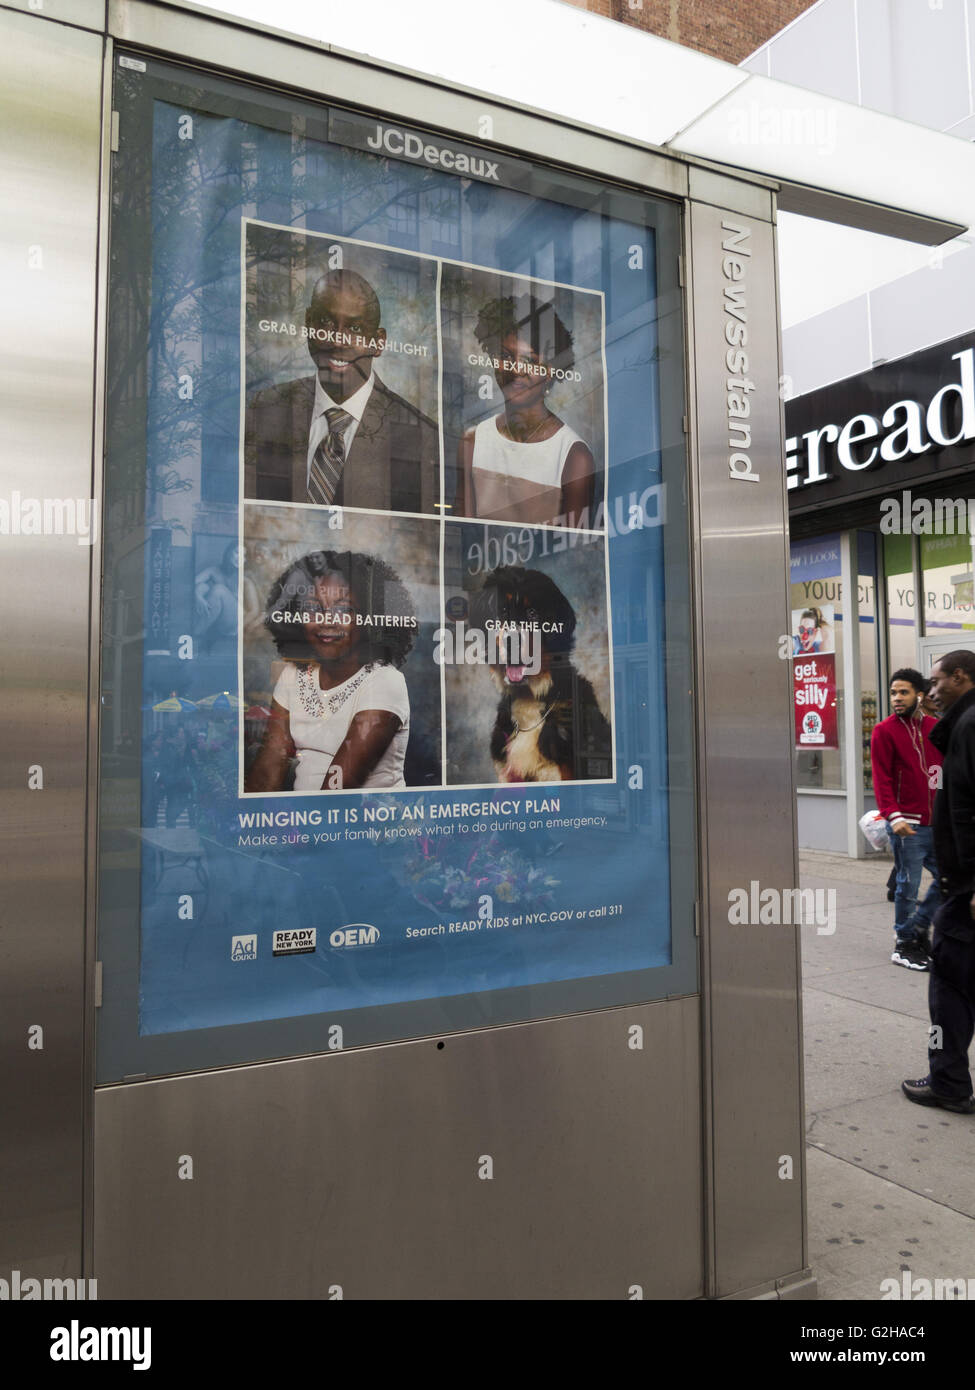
{"points": [[916, 414]]}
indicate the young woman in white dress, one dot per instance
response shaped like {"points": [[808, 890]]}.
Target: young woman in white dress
{"points": [[525, 465], [344, 623]]}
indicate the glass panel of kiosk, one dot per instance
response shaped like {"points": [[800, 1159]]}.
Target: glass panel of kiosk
{"points": [[396, 724]]}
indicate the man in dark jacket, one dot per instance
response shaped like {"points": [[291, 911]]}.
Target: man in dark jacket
{"points": [[951, 987]]}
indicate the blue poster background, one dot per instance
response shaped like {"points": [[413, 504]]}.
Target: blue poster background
{"points": [[601, 853]]}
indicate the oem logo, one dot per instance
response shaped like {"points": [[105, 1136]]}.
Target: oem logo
{"points": [[243, 948], [358, 934]]}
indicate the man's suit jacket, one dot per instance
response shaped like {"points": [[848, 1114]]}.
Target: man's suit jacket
{"points": [[393, 464]]}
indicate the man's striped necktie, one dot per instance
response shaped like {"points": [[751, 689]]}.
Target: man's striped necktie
{"points": [[329, 459]]}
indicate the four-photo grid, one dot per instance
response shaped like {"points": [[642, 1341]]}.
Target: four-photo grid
{"points": [[425, 593]]}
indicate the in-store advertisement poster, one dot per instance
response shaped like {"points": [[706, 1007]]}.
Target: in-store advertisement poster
{"points": [[814, 677]]}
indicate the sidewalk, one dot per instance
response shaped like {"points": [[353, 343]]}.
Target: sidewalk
{"points": [[891, 1184]]}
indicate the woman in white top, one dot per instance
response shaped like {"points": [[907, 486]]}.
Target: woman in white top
{"points": [[525, 465], [345, 624]]}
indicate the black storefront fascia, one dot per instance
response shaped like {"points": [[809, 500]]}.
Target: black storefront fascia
{"points": [[903, 391]]}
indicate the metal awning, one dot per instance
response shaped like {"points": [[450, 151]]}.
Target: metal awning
{"points": [[831, 159]]}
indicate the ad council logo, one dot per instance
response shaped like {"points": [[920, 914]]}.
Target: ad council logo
{"points": [[357, 934], [243, 947]]}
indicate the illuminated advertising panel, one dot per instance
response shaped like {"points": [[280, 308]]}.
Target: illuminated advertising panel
{"points": [[397, 640]]}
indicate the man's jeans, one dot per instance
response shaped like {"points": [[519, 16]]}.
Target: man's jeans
{"points": [[912, 853]]}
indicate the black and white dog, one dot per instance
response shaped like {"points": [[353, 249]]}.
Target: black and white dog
{"points": [[548, 727]]}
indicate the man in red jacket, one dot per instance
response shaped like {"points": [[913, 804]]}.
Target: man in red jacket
{"points": [[906, 773]]}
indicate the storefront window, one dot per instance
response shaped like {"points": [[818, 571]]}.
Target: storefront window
{"points": [[869, 651], [396, 738], [902, 631], [946, 574]]}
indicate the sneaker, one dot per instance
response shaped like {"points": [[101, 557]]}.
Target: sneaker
{"points": [[921, 1093], [910, 956]]}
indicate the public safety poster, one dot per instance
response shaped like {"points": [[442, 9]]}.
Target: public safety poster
{"points": [[405, 725]]}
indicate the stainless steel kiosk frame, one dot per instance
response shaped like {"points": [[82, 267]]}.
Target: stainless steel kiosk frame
{"points": [[675, 1171]]}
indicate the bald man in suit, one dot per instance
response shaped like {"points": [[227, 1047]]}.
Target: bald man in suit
{"points": [[341, 437]]}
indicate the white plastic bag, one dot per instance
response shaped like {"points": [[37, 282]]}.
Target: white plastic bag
{"points": [[874, 828]]}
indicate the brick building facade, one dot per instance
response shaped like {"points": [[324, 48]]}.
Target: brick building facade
{"points": [[727, 29]]}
